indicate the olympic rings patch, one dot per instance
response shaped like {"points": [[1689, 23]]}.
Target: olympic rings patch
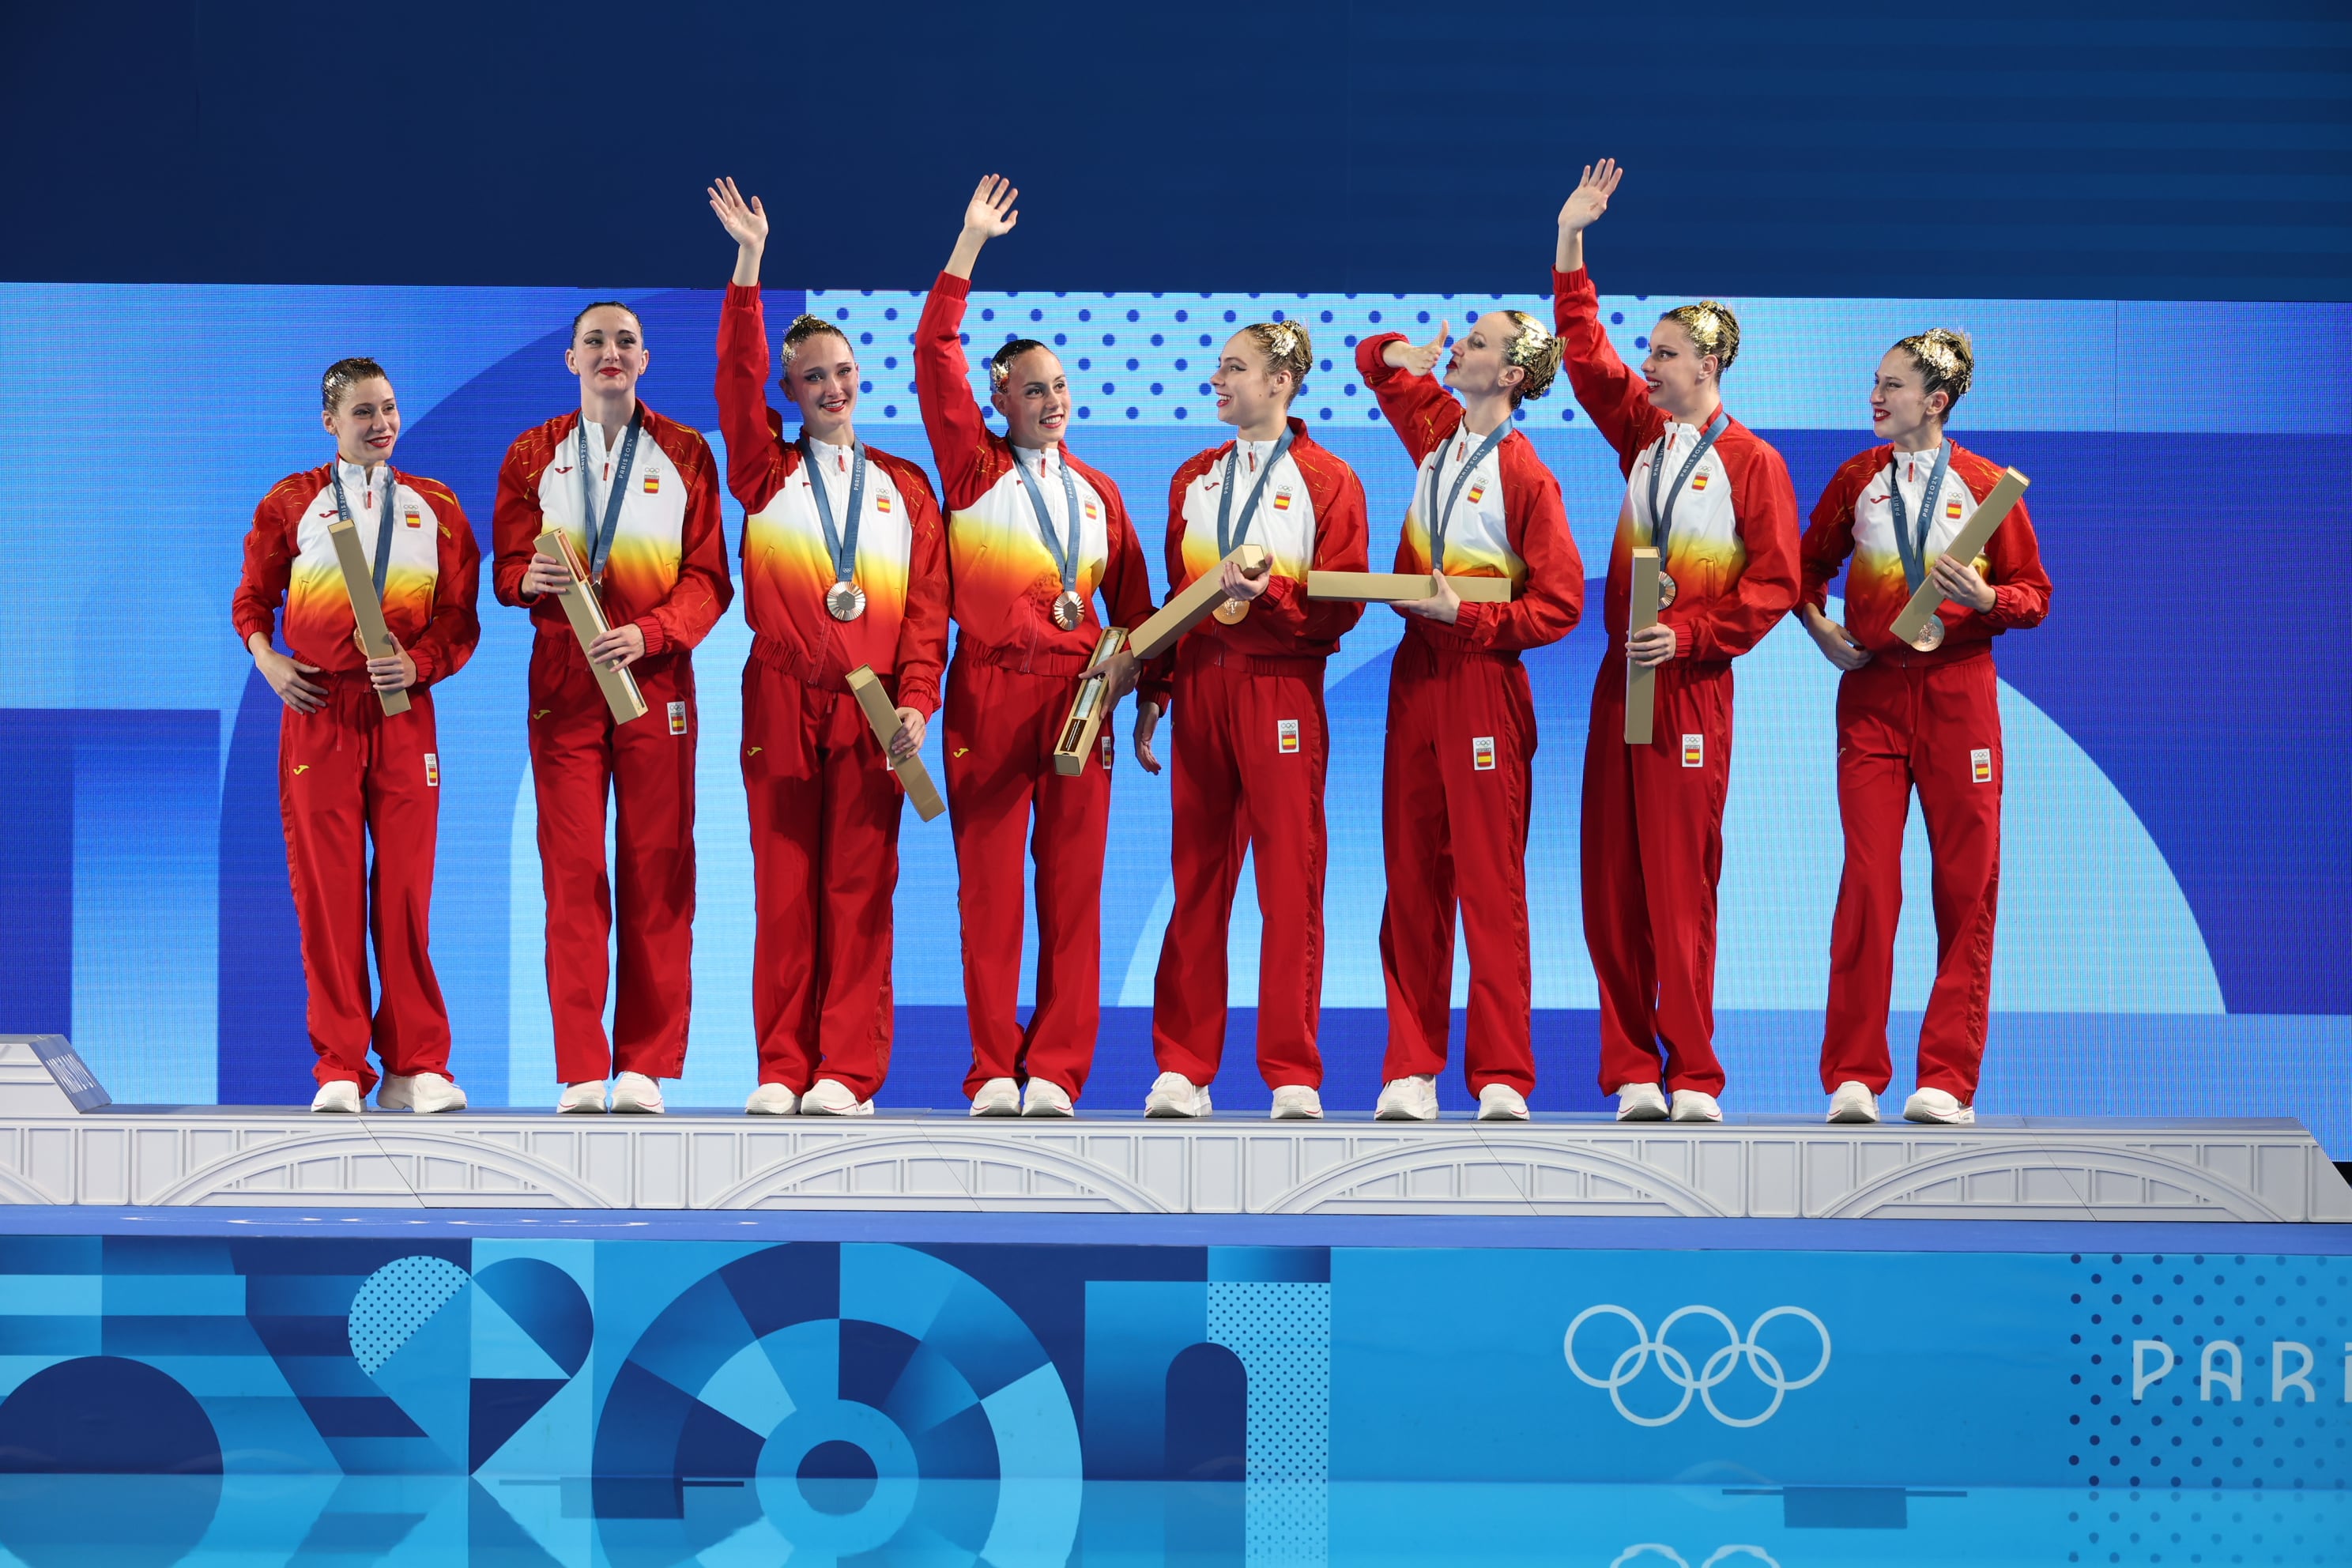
{"points": [[1713, 1373]]}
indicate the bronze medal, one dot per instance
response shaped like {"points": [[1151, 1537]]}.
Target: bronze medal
{"points": [[1232, 611], [1931, 636], [844, 601], [1665, 589], [1068, 610]]}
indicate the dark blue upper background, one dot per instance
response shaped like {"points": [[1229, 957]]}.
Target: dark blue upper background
{"points": [[2094, 149]]}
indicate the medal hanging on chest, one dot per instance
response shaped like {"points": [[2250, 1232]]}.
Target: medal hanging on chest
{"points": [[1912, 546], [1232, 612], [1069, 607], [1662, 518], [845, 599], [600, 533]]}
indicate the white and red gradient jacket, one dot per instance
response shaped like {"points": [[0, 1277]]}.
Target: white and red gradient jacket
{"points": [[901, 551], [1856, 516], [1002, 578], [430, 586], [1509, 521], [667, 573], [1311, 518], [1733, 551]]}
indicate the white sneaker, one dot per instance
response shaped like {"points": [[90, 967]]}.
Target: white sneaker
{"points": [[1854, 1102], [1937, 1105], [1501, 1103], [1297, 1103], [1412, 1099], [1047, 1098], [424, 1093], [772, 1100], [341, 1095], [997, 1097], [636, 1092], [1690, 1105], [582, 1099], [1640, 1102], [831, 1097], [1173, 1094]]}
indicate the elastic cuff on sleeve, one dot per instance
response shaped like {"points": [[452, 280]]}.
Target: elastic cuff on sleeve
{"points": [[657, 636]]}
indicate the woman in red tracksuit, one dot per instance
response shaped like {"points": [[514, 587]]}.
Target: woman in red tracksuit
{"points": [[638, 496], [1716, 503], [843, 565], [1032, 534], [348, 774], [1923, 715], [1459, 771], [1252, 744]]}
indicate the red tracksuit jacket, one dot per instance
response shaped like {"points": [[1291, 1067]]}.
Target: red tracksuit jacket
{"points": [[1004, 578], [1855, 517], [902, 554], [1311, 518], [1733, 551], [1509, 521], [429, 589], [667, 570]]}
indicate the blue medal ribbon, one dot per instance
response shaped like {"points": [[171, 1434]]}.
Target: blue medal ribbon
{"points": [[384, 524], [1662, 522], [1438, 520], [1065, 558], [600, 539], [1227, 537], [844, 551], [1913, 547]]}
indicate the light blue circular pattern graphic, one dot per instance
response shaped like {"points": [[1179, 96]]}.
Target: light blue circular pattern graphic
{"points": [[825, 1401]]}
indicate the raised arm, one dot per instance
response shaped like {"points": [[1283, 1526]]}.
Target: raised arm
{"points": [[960, 437], [754, 462], [1607, 388], [1403, 379]]}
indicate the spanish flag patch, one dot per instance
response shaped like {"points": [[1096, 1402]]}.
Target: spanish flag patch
{"points": [[653, 482], [1476, 491], [1698, 482], [414, 518], [1952, 509], [881, 504], [1282, 500]]}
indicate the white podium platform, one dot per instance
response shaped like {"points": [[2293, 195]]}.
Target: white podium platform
{"points": [[1760, 1167]]}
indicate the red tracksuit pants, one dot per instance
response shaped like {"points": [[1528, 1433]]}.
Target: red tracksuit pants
{"points": [[1002, 722], [1653, 852], [1453, 813], [825, 863], [1251, 747], [349, 774], [1936, 726], [578, 755]]}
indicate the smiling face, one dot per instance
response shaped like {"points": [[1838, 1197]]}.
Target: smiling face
{"points": [[1249, 395], [1034, 398], [365, 423], [1478, 368], [608, 353], [1902, 410], [1682, 380], [820, 380]]}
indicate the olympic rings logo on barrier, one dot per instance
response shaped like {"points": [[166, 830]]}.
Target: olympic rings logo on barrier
{"points": [[1713, 1373]]}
